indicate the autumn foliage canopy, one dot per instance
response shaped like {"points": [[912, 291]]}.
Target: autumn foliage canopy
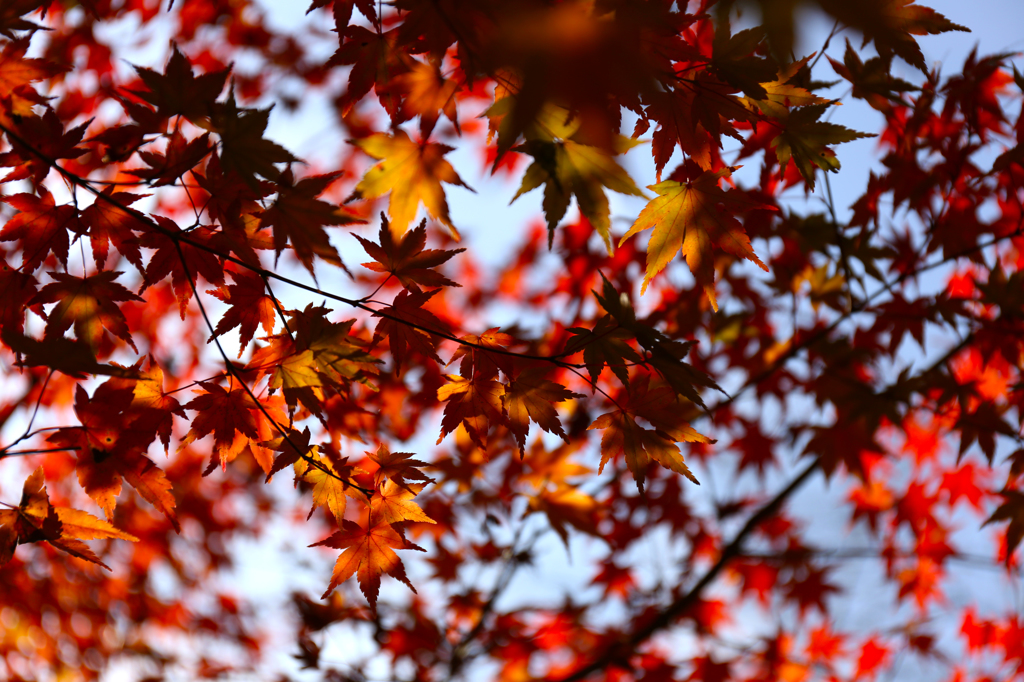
{"points": [[690, 420]]}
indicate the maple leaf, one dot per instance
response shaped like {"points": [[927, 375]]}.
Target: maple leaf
{"points": [[412, 172], [406, 259], [755, 447], [478, 359], [231, 201], [298, 216], [396, 324], [243, 149], [293, 446], [340, 357], [331, 484], [236, 422], [149, 481], [427, 94], [89, 303], [811, 589], [178, 91], [392, 503], [156, 406], [604, 345], [376, 62], [844, 442], [17, 73], [981, 426], [872, 80], [110, 444], [476, 404], [36, 520], [568, 169], [734, 60], [49, 142], [181, 260], [891, 23], [780, 94], [369, 554], [623, 435], [180, 157], [665, 355], [39, 226], [108, 223], [542, 467], [250, 307], [295, 373], [18, 288], [531, 397], [397, 467], [691, 217], [674, 111], [567, 505], [804, 140]]}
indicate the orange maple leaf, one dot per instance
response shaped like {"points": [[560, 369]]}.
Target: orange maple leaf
{"points": [[427, 94], [250, 307], [473, 403], [369, 553], [478, 359], [331, 483], [567, 505], [392, 503], [17, 73], [36, 520], [236, 422]]}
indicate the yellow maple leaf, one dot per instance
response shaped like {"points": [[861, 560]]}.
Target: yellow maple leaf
{"points": [[412, 172], [686, 216]]}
